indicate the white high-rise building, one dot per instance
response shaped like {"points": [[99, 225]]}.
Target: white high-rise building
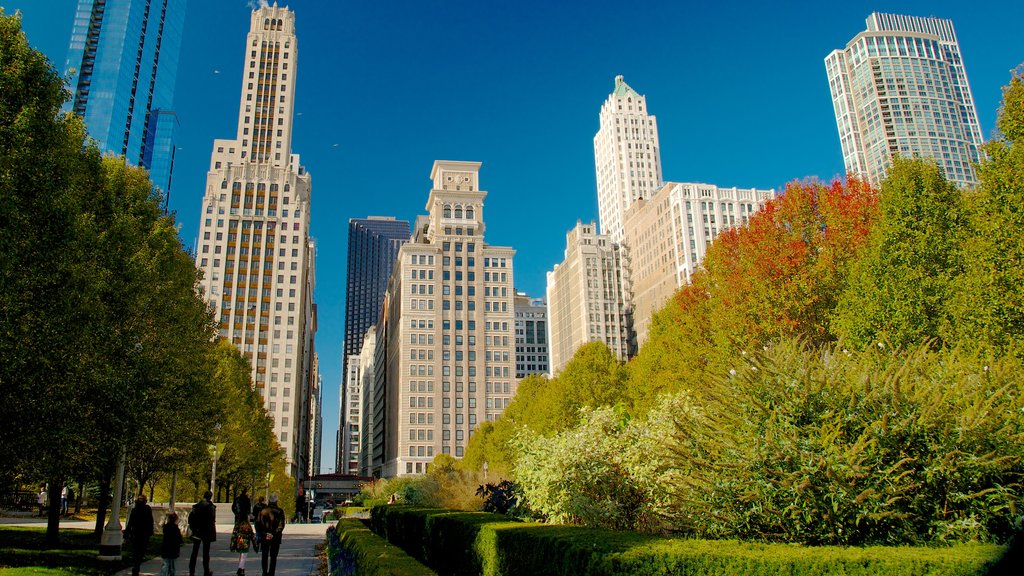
{"points": [[669, 234], [627, 157], [586, 302], [449, 316], [367, 359], [254, 247], [900, 87], [351, 413]]}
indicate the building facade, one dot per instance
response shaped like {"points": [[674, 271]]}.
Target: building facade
{"points": [[122, 65], [627, 157], [669, 234], [531, 336], [448, 321], [254, 248], [366, 422], [373, 244], [900, 87], [586, 301], [351, 412]]}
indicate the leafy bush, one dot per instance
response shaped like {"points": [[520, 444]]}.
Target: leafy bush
{"points": [[500, 498]]}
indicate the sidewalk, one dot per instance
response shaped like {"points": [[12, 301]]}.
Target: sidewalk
{"points": [[296, 558]]}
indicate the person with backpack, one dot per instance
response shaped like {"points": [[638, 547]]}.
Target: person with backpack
{"points": [[202, 521], [271, 522]]}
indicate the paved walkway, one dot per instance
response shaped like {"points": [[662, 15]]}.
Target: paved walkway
{"points": [[297, 556]]}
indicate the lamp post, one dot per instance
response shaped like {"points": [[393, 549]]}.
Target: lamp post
{"points": [[112, 538], [216, 449]]}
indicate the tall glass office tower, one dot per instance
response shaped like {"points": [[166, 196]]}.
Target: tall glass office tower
{"points": [[900, 87], [373, 245], [123, 61]]}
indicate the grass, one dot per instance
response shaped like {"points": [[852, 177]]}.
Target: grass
{"points": [[22, 553]]}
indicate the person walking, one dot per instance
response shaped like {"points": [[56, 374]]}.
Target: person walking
{"points": [[170, 548], [257, 527], [272, 525], [202, 520], [41, 500], [241, 538], [64, 500], [138, 531], [242, 506]]}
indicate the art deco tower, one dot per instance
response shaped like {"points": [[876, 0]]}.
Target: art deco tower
{"points": [[627, 157], [123, 61], [900, 88], [254, 249]]}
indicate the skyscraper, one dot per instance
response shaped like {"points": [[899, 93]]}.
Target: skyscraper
{"points": [[122, 61], [627, 157], [586, 302], [254, 249], [373, 245], [900, 87], [447, 330]]}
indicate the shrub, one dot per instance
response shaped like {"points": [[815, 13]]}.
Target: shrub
{"points": [[459, 543], [353, 549]]}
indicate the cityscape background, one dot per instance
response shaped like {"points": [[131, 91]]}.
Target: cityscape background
{"points": [[384, 89]]}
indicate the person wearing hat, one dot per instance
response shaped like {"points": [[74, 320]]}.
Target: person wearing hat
{"points": [[271, 521]]}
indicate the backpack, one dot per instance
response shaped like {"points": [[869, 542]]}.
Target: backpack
{"points": [[193, 519]]}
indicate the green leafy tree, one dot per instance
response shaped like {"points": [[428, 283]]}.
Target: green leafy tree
{"points": [[989, 301], [898, 289]]}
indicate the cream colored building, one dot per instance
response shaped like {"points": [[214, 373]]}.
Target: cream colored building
{"points": [[585, 298], [627, 157], [254, 247], [366, 421], [668, 235], [449, 315]]}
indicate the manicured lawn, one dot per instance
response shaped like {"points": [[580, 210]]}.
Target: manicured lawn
{"points": [[22, 553]]}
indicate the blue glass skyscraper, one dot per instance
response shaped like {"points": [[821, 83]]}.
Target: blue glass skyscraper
{"points": [[373, 245], [123, 61]]}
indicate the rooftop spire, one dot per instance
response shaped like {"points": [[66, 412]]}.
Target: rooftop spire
{"points": [[623, 89]]}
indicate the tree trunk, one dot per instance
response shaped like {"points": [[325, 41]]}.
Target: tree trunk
{"points": [[53, 514], [78, 497], [102, 504]]}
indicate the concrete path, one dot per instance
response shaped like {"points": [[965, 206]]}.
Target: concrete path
{"points": [[297, 556]]}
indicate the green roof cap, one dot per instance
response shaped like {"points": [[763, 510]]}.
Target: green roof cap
{"points": [[623, 89]]}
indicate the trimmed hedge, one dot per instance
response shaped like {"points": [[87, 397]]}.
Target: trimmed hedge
{"points": [[353, 549], [471, 543]]}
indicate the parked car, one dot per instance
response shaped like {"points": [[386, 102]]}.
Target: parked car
{"points": [[319, 514]]}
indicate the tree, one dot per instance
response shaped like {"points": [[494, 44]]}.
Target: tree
{"points": [[988, 307], [899, 288]]}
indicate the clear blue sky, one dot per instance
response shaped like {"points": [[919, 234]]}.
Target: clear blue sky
{"points": [[385, 88]]}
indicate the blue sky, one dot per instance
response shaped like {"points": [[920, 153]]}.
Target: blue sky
{"points": [[386, 87]]}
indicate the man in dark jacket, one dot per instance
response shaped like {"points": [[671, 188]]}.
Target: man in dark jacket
{"points": [[256, 526], [138, 531], [242, 506], [202, 520], [271, 523]]}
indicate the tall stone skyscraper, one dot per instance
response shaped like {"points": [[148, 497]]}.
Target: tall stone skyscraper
{"points": [[627, 157], [447, 340], [586, 302], [373, 244], [123, 61], [254, 249], [900, 87]]}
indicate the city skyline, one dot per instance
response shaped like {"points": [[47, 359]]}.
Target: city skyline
{"points": [[739, 124]]}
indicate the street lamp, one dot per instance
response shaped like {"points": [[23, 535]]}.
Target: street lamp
{"points": [[216, 449]]}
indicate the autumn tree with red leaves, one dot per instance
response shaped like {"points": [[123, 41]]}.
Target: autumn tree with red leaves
{"points": [[779, 276]]}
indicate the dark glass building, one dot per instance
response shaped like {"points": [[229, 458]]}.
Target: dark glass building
{"points": [[123, 62], [373, 245]]}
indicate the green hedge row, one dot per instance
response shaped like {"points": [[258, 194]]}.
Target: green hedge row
{"points": [[472, 543], [353, 549]]}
